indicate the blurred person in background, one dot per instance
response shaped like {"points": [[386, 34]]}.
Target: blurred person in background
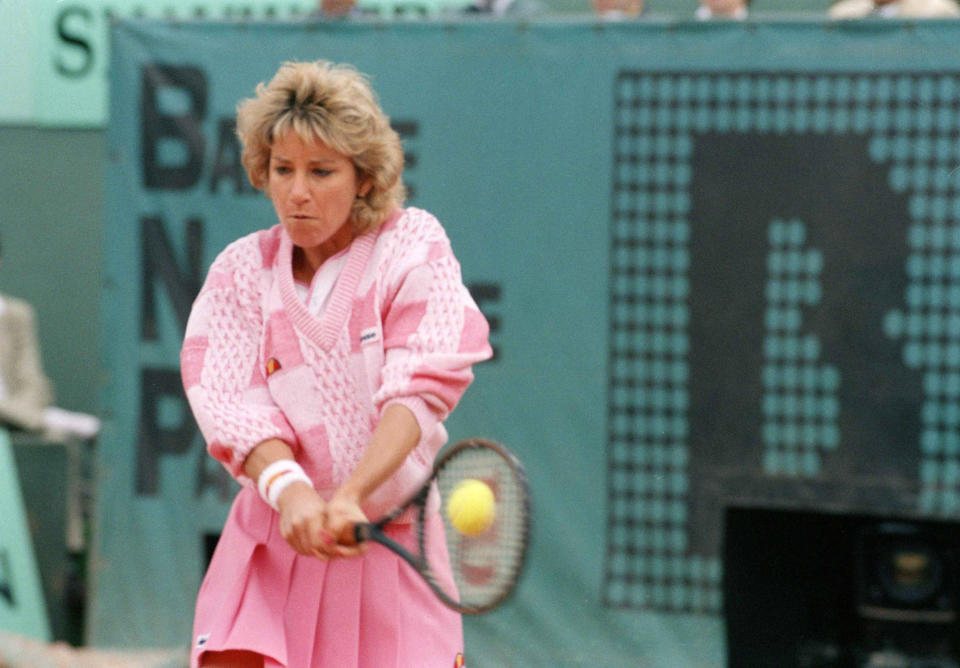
{"points": [[617, 10], [26, 394], [916, 9], [736, 10], [320, 359], [425, 8], [506, 8], [338, 8]]}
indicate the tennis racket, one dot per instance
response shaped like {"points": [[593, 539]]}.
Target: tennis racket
{"points": [[486, 566]]}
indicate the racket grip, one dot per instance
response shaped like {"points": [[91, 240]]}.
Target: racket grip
{"points": [[361, 532]]}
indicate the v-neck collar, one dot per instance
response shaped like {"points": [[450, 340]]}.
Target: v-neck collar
{"points": [[323, 330]]}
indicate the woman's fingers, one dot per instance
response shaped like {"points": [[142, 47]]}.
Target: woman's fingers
{"points": [[302, 521], [342, 515], [316, 528]]}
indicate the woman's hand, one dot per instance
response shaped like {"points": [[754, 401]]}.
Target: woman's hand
{"points": [[395, 435], [302, 514], [342, 514], [315, 528]]}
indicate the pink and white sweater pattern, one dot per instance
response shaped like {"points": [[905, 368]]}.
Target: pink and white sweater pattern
{"points": [[399, 327]]}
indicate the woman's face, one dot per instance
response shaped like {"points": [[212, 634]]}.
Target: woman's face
{"points": [[313, 188]]}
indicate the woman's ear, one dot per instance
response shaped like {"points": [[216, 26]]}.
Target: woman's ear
{"points": [[365, 187]]}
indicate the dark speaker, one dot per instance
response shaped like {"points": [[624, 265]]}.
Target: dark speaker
{"points": [[907, 592], [831, 590]]}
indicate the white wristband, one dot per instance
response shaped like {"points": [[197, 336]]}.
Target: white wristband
{"points": [[277, 477]]}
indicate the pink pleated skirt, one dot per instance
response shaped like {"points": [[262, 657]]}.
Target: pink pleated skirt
{"points": [[371, 611]]}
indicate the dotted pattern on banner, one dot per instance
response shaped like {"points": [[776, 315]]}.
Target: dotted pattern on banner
{"points": [[913, 123], [920, 137], [800, 404]]}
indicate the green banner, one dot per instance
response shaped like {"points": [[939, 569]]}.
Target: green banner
{"points": [[705, 256], [56, 52]]}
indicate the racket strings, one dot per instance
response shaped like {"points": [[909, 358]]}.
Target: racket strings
{"points": [[486, 566]]}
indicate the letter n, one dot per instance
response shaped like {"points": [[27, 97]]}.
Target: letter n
{"points": [[159, 262]]}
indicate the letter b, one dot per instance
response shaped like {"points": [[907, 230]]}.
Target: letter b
{"points": [[161, 128]]}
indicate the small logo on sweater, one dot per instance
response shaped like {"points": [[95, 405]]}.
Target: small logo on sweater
{"points": [[369, 335], [273, 365], [202, 640], [459, 662]]}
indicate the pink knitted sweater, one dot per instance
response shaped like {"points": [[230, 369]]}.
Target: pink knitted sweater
{"points": [[399, 326]]}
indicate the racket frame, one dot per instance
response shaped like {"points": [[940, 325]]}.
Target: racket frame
{"points": [[375, 530]]}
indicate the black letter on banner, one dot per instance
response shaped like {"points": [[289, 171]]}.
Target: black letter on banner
{"points": [[159, 261], [857, 224], [227, 163], [6, 580], [86, 51], [156, 126], [211, 474], [156, 439], [484, 293]]}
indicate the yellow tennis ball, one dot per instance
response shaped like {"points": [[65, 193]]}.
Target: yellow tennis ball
{"points": [[471, 508]]}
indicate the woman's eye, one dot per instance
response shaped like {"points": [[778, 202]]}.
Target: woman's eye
{"points": [[321, 172], [281, 169]]}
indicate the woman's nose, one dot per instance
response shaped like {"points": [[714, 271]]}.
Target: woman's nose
{"points": [[300, 190]]}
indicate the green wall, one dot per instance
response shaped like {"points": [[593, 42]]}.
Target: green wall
{"points": [[51, 202]]}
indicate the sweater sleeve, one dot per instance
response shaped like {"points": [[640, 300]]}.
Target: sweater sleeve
{"points": [[433, 334], [219, 362]]}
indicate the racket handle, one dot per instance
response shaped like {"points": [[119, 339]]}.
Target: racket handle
{"points": [[361, 532]]}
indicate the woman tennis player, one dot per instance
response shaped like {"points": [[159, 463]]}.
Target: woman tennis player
{"points": [[320, 360]]}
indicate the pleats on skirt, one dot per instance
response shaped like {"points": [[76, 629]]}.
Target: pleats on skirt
{"points": [[372, 611]]}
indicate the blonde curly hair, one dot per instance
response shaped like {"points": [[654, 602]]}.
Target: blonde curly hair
{"points": [[335, 104]]}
